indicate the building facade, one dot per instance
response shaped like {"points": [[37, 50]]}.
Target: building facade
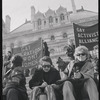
{"points": [[54, 26]]}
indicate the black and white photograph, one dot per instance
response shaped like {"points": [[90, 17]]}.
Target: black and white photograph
{"points": [[50, 50]]}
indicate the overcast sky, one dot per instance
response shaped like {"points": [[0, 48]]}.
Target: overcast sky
{"points": [[19, 10]]}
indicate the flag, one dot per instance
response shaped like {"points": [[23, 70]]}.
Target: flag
{"points": [[86, 35]]}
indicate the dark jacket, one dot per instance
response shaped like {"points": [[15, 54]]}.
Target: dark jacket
{"points": [[39, 76], [20, 72], [14, 91]]}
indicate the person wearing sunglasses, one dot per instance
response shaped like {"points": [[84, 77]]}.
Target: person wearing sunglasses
{"points": [[80, 84], [43, 79]]}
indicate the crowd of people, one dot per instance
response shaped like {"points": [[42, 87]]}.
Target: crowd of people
{"points": [[76, 79]]}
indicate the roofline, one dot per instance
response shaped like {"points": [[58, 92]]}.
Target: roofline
{"points": [[37, 31], [91, 11], [20, 26], [70, 12]]}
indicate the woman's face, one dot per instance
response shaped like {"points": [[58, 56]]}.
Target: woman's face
{"points": [[81, 56]]}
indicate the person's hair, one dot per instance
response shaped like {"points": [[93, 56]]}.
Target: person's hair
{"points": [[47, 59], [83, 49], [17, 60]]}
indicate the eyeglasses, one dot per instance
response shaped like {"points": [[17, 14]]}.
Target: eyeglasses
{"points": [[82, 54], [48, 66]]}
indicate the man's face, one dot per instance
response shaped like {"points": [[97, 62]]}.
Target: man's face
{"points": [[46, 68]]}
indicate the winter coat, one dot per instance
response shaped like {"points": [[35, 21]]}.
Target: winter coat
{"points": [[19, 70], [15, 87], [14, 91], [40, 76], [87, 69]]}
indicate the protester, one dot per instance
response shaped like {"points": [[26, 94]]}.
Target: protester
{"points": [[26, 72], [15, 61], [79, 74], [7, 59], [70, 51], [43, 80], [15, 87], [62, 64], [96, 65], [45, 49]]}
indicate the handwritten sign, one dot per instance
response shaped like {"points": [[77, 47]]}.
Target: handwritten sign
{"points": [[31, 53], [86, 35]]}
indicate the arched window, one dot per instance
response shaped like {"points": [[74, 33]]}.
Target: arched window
{"points": [[50, 19], [65, 35], [39, 22], [56, 20], [52, 51], [44, 22], [62, 17], [52, 37]]}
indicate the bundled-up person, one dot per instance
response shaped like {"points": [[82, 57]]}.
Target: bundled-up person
{"points": [[43, 79], [15, 87], [80, 83], [95, 62], [15, 61], [7, 59]]}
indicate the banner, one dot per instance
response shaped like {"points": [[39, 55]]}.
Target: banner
{"points": [[31, 53], [86, 35]]}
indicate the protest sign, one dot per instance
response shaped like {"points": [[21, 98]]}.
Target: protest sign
{"points": [[86, 35], [31, 53]]}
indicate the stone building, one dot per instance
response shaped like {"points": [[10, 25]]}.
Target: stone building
{"points": [[54, 26], [5, 30]]}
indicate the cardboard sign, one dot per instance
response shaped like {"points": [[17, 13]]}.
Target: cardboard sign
{"points": [[31, 53]]}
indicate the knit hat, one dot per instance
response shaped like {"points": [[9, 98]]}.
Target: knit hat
{"points": [[46, 60]]}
